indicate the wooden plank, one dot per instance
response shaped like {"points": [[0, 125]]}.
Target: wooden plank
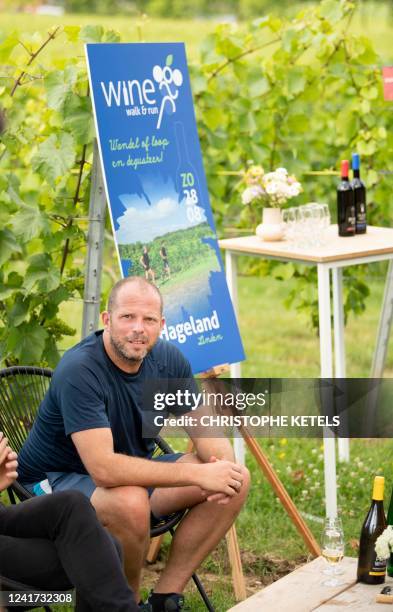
{"points": [[360, 597], [301, 590], [377, 241]]}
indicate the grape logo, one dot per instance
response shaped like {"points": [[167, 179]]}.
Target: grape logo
{"points": [[169, 80]]}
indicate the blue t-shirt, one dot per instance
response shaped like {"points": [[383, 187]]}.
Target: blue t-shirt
{"points": [[89, 391]]}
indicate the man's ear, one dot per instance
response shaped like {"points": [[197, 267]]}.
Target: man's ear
{"points": [[105, 316], [162, 323]]}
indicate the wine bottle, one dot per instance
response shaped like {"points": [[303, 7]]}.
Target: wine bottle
{"points": [[389, 520], [359, 193], [346, 219], [370, 569]]}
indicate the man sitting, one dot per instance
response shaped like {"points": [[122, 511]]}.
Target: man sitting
{"points": [[88, 436]]}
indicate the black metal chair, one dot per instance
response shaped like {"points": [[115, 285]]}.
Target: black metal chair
{"points": [[22, 388]]}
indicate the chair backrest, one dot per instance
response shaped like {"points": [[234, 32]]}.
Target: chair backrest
{"points": [[22, 388]]}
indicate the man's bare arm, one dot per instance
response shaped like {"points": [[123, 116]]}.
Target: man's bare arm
{"points": [[110, 469]]}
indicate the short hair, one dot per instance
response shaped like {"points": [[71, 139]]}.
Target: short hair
{"points": [[142, 284]]}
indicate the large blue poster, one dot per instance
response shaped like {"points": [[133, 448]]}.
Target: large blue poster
{"points": [[157, 193]]}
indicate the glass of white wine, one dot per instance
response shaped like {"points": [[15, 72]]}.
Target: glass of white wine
{"points": [[333, 548]]}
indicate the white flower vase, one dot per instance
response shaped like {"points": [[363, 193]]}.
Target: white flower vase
{"points": [[271, 229]]}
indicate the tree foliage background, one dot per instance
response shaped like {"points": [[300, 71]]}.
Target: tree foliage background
{"points": [[299, 93]]}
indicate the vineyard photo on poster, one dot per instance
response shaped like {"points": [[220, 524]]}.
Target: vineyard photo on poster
{"points": [[169, 243]]}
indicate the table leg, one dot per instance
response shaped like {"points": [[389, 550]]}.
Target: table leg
{"points": [[235, 368], [325, 339], [339, 353]]}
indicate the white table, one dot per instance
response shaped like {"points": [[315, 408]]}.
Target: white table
{"points": [[375, 245]]}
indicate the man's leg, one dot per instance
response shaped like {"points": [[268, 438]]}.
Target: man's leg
{"points": [[125, 511], [55, 541], [198, 533]]}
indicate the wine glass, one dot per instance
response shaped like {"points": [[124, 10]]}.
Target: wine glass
{"points": [[333, 548]]}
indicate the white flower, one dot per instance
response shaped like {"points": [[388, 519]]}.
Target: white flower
{"points": [[384, 543], [272, 187], [294, 190], [252, 193], [283, 171]]}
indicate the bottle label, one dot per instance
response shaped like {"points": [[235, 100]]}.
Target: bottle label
{"points": [[378, 568], [351, 220], [361, 214]]}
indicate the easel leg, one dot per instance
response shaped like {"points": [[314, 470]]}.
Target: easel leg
{"points": [[281, 492], [154, 549], [239, 586]]}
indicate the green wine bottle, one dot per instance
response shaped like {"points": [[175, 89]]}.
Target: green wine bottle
{"points": [[370, 569], [389, 520]]}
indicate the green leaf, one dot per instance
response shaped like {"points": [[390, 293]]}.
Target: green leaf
{"points": [[52, 355], [8, 245], [331, 11], [26, 342], [58, 85], [259, 87], [72, 33], [19, 311], [370, 93], [367, 148], [91, 34], [78, 119], [283, 271], [111, 36], [213, 118], [29, 222], [296, 80], [169, 60], [41, 272], [55, 156]]}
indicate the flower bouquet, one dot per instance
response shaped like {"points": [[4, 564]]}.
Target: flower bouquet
{"points": [[269, 191]]}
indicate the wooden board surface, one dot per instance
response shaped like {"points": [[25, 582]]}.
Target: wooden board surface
{"points": [[377, 241], [301, 590], [359, 598]]}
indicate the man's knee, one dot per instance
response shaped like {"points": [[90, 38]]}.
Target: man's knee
{"points": [[124, 508]]}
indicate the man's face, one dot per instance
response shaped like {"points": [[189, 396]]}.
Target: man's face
{"points": [[135, 323]]}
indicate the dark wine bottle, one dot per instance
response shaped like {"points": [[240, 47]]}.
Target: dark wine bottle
{"points": [[389, 520], [346, 219], [370, 569], [359, 193]]}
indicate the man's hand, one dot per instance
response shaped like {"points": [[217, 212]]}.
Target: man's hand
{"points": [[8, 463], [223, 478], [219, 498]]}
